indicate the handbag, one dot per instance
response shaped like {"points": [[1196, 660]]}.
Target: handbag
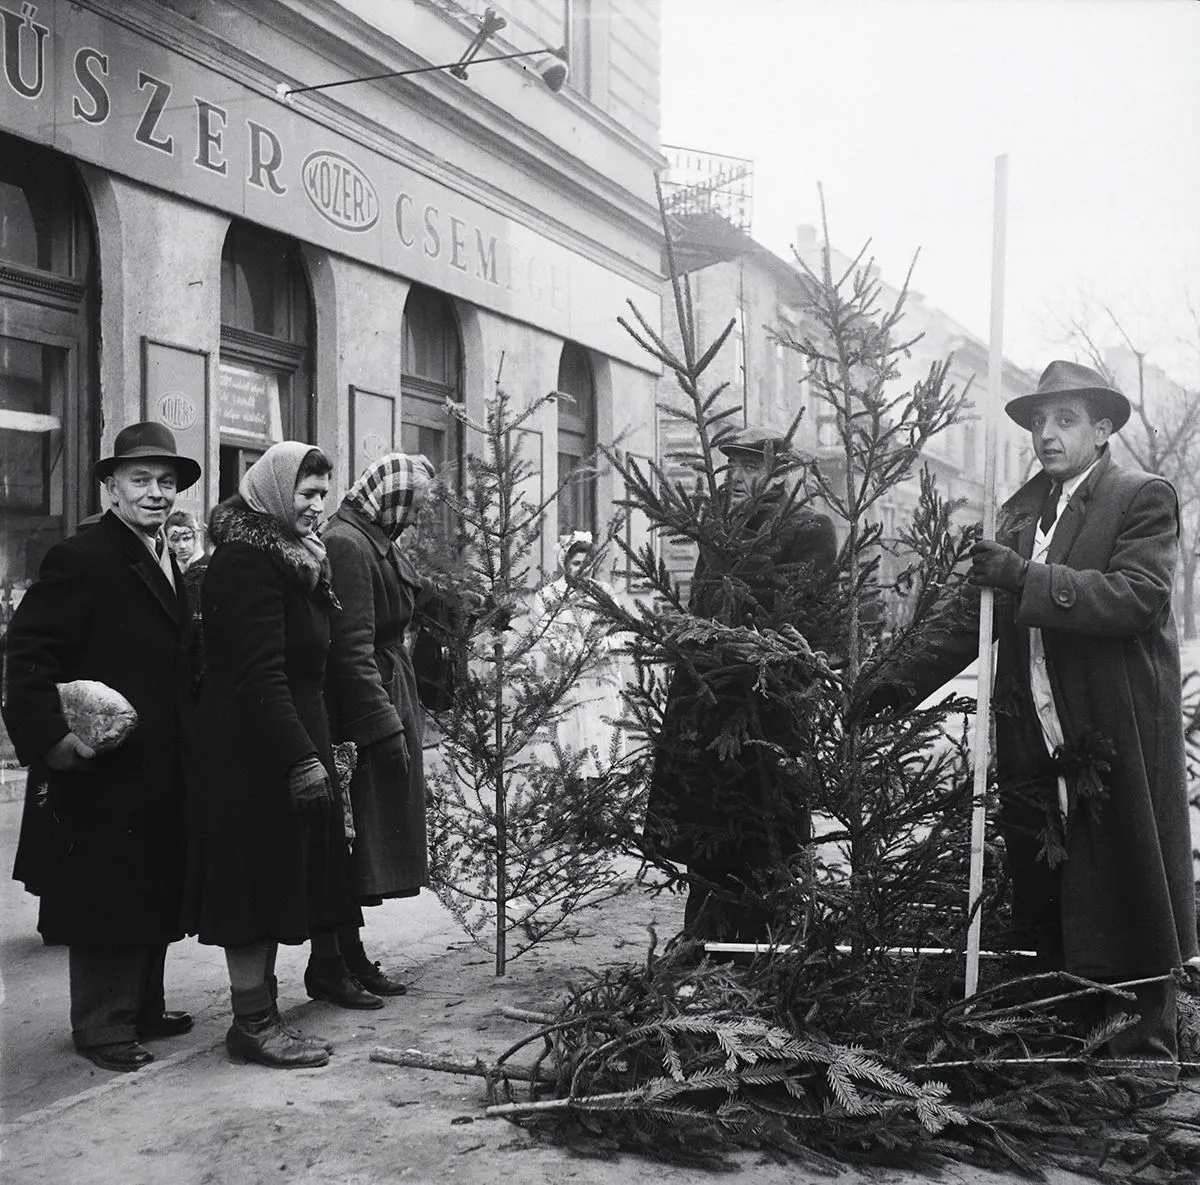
{"points": [[433, 665]]}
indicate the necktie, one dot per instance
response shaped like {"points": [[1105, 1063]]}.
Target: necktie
{"points": [[1050, 509], [158, 548]]}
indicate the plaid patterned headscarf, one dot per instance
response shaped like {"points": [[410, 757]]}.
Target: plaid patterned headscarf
{"points": [[391, 490]]}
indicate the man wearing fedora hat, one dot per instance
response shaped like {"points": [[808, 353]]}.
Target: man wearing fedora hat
{"points": [[1088, 719], [109, 605]]}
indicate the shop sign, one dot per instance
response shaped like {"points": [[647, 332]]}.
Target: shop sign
{"points": [[340, 191], [373, 419], [248, 404], [105, 93], [175, 393]]}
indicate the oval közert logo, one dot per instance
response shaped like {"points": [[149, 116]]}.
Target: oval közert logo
{"points": [[341, 192], [373, 445], [176, 410]]}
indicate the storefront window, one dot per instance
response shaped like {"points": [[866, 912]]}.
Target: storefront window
{"points": [[264, 390], [576, 440], [47, 429], [430, 363], [20, 240]]}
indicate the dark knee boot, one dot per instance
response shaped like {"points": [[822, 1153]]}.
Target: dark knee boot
{"points": [[370, 975], [330, 980]]}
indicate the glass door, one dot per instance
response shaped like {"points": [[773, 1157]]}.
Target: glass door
{"points": [[33, 383]]}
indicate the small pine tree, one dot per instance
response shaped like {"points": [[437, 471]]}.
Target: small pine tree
{"points": [[785, 665], [515, 830]]}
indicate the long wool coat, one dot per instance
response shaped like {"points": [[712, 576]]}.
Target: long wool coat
{"points": [[258, 870], [372, 694], [1103, 604], [104, 849], [732, 812]]}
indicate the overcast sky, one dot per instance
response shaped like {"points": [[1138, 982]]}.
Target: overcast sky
{"points": [[900, 108]]}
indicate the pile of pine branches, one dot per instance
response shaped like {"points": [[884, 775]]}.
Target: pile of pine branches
{"points": [[690, 1060]]}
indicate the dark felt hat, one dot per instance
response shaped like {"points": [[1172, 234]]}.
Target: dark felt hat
{"points": [[753, 440], [1071, 378], [148, 441]]}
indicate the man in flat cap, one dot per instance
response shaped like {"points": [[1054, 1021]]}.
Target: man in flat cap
{"points": [[1089, 734], [732, 817], [109, 606]]}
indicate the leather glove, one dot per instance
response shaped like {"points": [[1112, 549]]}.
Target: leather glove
{"points": [[392, 752], [69, 753], [308, 785], [995, 566]]}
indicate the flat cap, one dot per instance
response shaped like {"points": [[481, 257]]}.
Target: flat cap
{"points": [[753, 440]]}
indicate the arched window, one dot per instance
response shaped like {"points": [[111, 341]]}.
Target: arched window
{"points": [[48, 298], [431, 366], [265, 377], [576, 440]]}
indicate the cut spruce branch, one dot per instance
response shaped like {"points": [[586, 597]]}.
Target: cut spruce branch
{"points": [[414, 1059]]}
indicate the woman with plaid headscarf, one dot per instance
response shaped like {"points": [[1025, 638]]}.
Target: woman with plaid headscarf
{"points": [[371, 692]]}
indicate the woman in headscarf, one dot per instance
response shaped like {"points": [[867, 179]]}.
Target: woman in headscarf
{"points": [[267, 855], [371, 690], [571, 633]]}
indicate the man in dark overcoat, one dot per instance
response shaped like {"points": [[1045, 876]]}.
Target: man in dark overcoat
{"points": [[731, 817], [109, 605], [1088, 719]]}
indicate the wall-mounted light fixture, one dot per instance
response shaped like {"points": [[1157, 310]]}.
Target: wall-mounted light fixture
{"points": [[551, 65]]}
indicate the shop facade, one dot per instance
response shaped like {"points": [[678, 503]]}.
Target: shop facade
{"points": [[180, 243]]}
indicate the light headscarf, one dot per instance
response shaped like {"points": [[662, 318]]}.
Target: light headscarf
{"points": [[269, 487], [575, 541], [390, 491]]}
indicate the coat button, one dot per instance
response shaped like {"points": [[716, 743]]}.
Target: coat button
{"points": [[1063, 597]]}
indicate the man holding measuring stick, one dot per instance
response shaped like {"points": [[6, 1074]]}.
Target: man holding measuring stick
{"points": [[1088, 718]]}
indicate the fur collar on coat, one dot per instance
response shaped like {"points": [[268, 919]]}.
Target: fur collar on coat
{"points": [[232, 521]]}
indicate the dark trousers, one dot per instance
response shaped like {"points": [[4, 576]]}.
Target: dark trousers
{"points": [[725, 908], [113, 989]]}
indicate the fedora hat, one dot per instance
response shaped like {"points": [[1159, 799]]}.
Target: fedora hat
{"points": [[1071, 378], [144, 442]]}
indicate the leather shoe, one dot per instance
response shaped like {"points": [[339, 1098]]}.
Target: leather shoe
{"points": [[170, 1024], [372, 977], [122, 1056], [330, 980], [262, 1039]]}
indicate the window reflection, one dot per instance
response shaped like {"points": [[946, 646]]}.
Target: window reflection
{"points": [[576, 440]]}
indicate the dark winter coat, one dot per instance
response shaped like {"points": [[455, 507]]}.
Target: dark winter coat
{"points": [[371, 692], [1103, 604], [105, 848], [257, 870], [731, 812]]}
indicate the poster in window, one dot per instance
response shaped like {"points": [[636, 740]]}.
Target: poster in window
{"points": [[372, 428], [248, 405], [175, 393]]}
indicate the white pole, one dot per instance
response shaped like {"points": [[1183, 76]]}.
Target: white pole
{"points": [[983, 695]]}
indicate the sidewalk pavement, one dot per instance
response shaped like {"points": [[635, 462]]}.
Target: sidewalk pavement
{"points": [[38, 1064]]}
